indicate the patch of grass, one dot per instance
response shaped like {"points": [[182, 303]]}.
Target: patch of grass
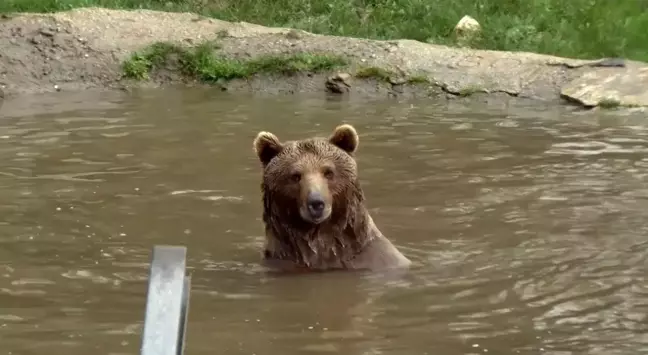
{"points": [[140, 64], [374, 73], [609, 103], [203, 63], [387, 75], [577, 28], [418, 79], [469, 91]]}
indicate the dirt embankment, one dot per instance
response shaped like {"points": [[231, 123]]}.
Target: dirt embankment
{"points": [[84, 48]]}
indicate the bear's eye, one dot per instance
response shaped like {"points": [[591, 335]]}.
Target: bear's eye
{"points": [[295, 177], [328, 173]]}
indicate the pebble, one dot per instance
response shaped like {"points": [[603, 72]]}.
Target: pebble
{"points": [[47, 33], [294, 34], [338, 83], [397, 81]]}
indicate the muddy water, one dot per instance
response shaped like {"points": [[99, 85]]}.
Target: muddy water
{"points": [[528, 227]]}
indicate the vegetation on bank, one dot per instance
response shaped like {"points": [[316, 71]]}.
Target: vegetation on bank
{"points": [[203, 63], [577, 28]]}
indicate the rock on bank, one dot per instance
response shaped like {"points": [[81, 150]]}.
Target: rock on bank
{"points": [[84, 48]]}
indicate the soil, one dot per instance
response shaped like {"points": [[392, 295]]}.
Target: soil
{"points": [[83, 48]]}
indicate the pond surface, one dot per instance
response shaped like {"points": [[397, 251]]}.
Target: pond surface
{"points": [[528, 226]]}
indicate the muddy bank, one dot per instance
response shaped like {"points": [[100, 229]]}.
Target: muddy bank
{"points": [[84, 48]]}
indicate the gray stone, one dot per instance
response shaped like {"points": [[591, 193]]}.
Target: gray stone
{"points": [[625, 86]]}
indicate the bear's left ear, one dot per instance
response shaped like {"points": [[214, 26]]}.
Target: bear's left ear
{"points": [[346, 138], [267, 146]]}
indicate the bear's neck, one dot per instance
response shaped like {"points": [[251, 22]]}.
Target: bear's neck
{"points": [[335, 241]]}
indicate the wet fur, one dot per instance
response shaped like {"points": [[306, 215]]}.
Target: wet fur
{"points": [[348, 239]]}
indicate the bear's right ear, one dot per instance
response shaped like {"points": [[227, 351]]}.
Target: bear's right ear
{"points": [[345, 137], [267, 146]]}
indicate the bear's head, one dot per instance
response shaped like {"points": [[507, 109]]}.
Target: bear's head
{"points": [[310, 181]]}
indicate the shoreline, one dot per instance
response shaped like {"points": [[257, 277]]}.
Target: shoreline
{"points": [[87, 47]]}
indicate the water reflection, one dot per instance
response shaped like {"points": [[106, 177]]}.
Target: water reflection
{"points": [[526, 224]]}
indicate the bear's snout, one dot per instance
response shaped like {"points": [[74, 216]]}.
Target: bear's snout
{"points": [[316, 204], [316, 209]]}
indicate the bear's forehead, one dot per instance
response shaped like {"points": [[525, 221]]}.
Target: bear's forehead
{"points": [[311, 152], [317, 146]]}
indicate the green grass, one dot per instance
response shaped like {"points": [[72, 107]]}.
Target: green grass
{"points": [[469, 91], [417, 79], [203, 63], [373, 72], [577, 28], [609, 103]]}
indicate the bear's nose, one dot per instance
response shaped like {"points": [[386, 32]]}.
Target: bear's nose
{"points": [[315, 203]]}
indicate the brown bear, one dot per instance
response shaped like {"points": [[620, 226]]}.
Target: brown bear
{"points": [[314, 208]]}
